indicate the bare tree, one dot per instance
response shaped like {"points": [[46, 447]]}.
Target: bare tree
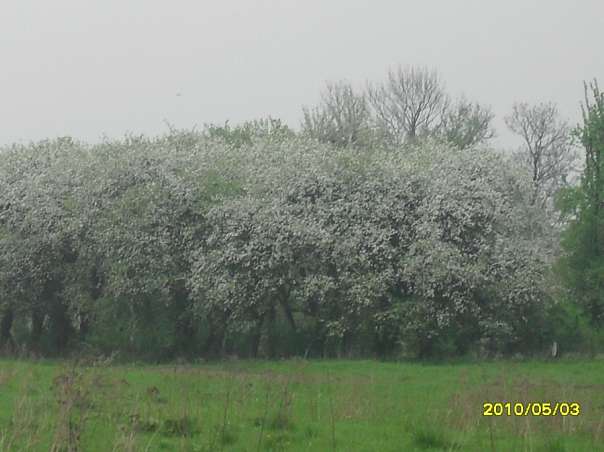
{"points": [[342, 118], [547, 148], [409, 103], [467, 124]]}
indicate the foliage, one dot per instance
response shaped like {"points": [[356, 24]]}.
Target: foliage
{"points": [[391, 249], [466, 124], [192, 244], [246, 133], [582, 266]]}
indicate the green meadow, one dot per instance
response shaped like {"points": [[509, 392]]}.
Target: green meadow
{"points": [[296, 405]]}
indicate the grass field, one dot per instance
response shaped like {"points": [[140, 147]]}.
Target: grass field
{"points": [[296, 405]]}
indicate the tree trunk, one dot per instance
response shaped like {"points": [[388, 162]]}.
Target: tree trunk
{"points": [[6, 325], [346, 345], [61, 325], [256, 336], [214, 346], [84, 327], [288, 314], [37, 320], [185, 328], [270, 333]]}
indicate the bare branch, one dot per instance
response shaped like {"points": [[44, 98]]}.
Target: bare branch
{"points": [[547, 148]]}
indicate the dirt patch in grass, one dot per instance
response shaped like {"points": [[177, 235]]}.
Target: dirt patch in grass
{"points": [[6, 376]]}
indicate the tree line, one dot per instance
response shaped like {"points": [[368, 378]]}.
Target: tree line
{"points": [[387, 226]]}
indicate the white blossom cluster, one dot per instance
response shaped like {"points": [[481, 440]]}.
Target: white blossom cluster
{"points": [[192, 239]]}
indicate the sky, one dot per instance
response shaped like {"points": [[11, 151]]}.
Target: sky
{"points": [[90, 69]]}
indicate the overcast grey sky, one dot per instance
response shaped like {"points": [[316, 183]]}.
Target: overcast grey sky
{"points": [[88, 68]]}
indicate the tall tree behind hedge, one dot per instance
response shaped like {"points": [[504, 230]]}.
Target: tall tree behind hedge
{"points": [[583, 264]]}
